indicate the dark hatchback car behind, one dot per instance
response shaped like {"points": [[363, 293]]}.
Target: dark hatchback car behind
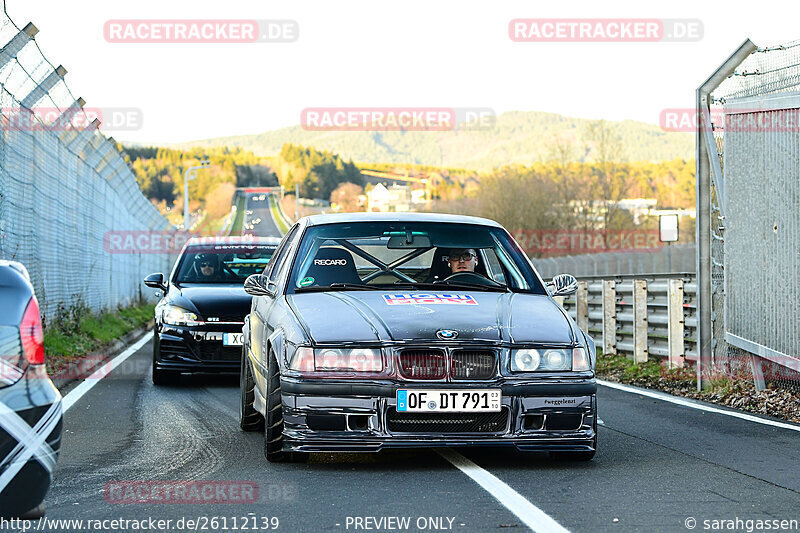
{"points": [[30, 406], [198, 322]]}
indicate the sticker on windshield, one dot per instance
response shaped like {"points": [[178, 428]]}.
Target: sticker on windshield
{"points": [[305, 282], [429, 299]]}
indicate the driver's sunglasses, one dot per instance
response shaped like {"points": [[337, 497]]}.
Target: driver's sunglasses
{"points": [[463, 257], [204, 265]]}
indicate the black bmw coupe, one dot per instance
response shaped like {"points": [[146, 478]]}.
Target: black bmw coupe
{"points": [[371, 331]]}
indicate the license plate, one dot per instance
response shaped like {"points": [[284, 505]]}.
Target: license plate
{"points": [[233, 339], [452, 401]]}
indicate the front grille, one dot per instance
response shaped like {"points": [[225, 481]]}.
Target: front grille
{"points": [[173, 348], [215, 351], [447, 422], [423, 364], [472, 365]]}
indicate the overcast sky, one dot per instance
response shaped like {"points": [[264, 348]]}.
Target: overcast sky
{"points": [[389, 54]]}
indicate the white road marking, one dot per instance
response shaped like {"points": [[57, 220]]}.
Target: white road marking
{"points": [[695, 405], [531, 516], [87, 385]]}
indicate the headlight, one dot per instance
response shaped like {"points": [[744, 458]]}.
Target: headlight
{"points": [[337, 360], [178, 316], [525, 360], [549, 359]]}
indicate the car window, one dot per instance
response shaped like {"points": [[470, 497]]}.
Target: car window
{"points": [[386, 254], [280, 253], [222, 263]]}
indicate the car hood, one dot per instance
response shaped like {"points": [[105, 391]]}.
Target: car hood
{"points": [[361, 316], [224, 301]]}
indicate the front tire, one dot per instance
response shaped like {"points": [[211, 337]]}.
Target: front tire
{"points": [[273, 423], [249, 418]]}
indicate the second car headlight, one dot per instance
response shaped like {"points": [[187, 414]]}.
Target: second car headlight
{"points": [[178, 316], [549, 359], [337, 360]]}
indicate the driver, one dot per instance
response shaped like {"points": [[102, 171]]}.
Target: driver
{"points": [[207, 267], [462, 260]]}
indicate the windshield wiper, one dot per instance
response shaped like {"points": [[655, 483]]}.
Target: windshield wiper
{"points": [[337, 287]]}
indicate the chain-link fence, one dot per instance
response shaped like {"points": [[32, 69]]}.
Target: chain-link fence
{"points": [[751, 201], [669, 260], [64, 188]]}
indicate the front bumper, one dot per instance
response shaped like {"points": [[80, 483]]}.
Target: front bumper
{"points": [[197, 348], [31, 410], [552, 415]]}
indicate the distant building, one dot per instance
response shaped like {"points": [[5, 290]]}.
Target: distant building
{"points": [[394, 198]]}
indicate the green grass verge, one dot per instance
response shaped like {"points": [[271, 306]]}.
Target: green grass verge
{"points": [[277, 215], [238, 222], [76, 331]]}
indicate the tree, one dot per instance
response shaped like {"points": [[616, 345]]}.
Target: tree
{"points": [[610, 182], [219, 201], [345, 195]]}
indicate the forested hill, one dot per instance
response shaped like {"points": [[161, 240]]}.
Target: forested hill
{"points": [[517, 137]]}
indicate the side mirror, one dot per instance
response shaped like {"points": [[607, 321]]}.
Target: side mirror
{"points": [[260, 285], [562, 285], [156, 281]]}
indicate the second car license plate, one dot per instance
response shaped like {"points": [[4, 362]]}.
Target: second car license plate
{"points": [[444, 400], [232, 339]]}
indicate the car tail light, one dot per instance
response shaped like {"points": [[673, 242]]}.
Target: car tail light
{"points": [[30, 330], [423, 364]]}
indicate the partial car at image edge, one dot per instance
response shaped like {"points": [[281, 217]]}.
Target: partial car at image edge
{"points": [[30, 405]]}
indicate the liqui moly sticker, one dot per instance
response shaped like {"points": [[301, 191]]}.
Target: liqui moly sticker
{"points": [[429, 299]]}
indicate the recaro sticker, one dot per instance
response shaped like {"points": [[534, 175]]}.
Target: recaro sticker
{"points": [[429, 299]]}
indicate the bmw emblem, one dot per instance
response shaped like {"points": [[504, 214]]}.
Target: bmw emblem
{"points": [[447, 334]]}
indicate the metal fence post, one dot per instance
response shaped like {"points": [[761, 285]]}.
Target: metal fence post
{"points": [[639, 321], [675, 323], [582, 306], [758, 372], [609, 316]]}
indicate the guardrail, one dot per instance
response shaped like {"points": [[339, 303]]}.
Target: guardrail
{"points": [[640, 316]]}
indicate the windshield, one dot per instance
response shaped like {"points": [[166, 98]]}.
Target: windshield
{"points": [[410, 255], [222, 263]]}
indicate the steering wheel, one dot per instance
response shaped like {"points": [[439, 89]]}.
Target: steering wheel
{"points": [[471, 277]]}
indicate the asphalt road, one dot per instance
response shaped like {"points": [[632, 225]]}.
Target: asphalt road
{"points": [[658, 464], [260, 208]]}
